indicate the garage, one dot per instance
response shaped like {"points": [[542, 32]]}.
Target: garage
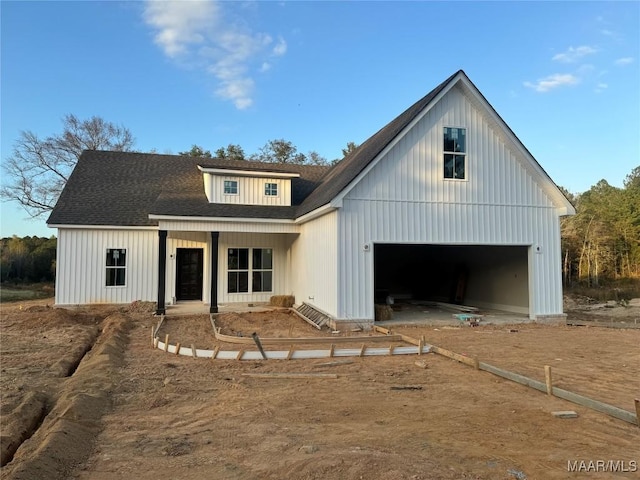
{"points": [[484, 276]]}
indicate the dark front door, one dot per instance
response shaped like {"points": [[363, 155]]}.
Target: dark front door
{"points": [[189, 274]]}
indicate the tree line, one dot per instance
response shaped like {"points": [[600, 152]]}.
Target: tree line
{"points": [[28, 259], [602, 241]]}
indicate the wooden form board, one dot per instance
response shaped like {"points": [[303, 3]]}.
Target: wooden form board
{"points": [[306, 340], [545, 387], [291, 354]]}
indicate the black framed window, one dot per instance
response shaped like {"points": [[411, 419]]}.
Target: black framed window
{"points": [[249, 263], [455, 153], [238, 270], [116, 267]]}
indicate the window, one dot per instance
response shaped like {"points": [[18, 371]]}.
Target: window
{"points": [[271, 189], [455, 153], [116, 267], [262, 269], [238, 270], [254, 263], [230, 187]]}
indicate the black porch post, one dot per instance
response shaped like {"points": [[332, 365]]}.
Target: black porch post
{"points": [[162, 268], [213, 308]]}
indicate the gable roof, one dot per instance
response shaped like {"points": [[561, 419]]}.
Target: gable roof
{"points": [[346, 173], [142, 184]]}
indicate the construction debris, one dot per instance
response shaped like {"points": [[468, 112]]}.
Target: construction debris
{"points": [[421, 364], [565, 414]]}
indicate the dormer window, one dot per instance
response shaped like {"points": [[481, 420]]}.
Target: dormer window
{"points": [[271, 189], [248, 187], [231, 187]]}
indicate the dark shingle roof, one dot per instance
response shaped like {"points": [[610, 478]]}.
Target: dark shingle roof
{"points": [[123, 188]]}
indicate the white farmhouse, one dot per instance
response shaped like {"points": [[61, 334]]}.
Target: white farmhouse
{"points": [[442, 203]]}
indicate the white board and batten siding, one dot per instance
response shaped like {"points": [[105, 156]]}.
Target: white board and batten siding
{"points": [[315, 259], [404, 198], [251, 190], [81, 266]]}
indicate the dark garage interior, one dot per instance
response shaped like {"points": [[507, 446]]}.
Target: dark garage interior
{"points": [[485, 276]]}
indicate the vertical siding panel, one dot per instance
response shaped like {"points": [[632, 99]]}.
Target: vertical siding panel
{"points": [[314, 256], [500, 203], [81, 266]]}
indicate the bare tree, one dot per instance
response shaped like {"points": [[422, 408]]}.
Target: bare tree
{"points": [[38, 169]]}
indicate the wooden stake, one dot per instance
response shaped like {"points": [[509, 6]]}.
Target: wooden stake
{"points": [[256, 339], [362, 349], [548, 379], [153, 336], [193, 351], [155, 342], [331, 350], [178, 348], [476, 363], [420, 344], [637, 401], [215, 353], [391, 347], [240, 353], [166, 342], [290, 353]]}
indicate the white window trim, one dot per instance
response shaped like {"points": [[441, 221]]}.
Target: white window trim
{"points": [[277, 195], [465, 154], [250, 271], [107, 267], [231, 180]]}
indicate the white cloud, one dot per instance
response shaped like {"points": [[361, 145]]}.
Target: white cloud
{"points": [[180, 24], [280, 48], [601, 87], [621, 62], [200, 34], [574, 54], [553, 81]]}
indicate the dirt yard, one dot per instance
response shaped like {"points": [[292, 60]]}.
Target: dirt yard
{"points": [[92, 399]]}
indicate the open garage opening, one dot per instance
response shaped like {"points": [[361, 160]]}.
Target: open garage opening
{"points": [[484, 276]]}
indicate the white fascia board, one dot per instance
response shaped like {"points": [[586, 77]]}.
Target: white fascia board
{"points": [[563, 206], [338, 198], [318, 212], [104, 227], [221, 219], [247, 173]]}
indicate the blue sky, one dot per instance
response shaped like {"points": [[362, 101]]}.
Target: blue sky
{"points": [[564, 76]]}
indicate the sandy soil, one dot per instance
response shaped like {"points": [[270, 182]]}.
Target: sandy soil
{"points": [[129, 410]]}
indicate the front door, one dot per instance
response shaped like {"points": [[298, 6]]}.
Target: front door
{"points": [[189, 274]]}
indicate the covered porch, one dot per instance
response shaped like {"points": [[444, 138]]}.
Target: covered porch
{"points": [[212, 266]]}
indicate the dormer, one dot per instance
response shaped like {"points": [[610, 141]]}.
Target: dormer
{"points": [[247, 187]]}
